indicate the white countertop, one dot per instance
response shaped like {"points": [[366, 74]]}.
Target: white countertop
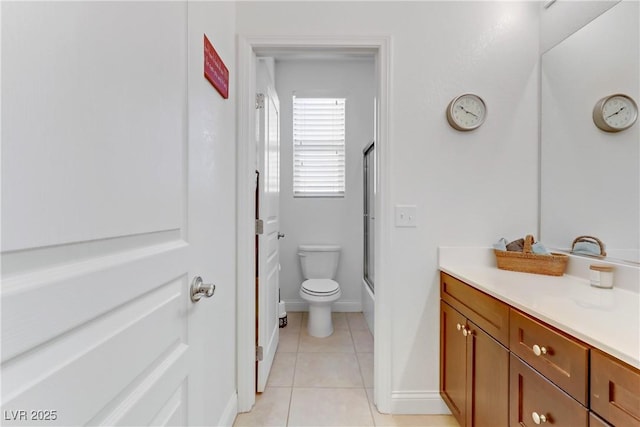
{"points": [[608, 319]]}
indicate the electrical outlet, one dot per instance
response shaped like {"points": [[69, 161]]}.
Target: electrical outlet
{"points": [[406, 215]]}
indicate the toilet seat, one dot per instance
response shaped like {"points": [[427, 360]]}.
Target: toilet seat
{"points": [[320, 287]]}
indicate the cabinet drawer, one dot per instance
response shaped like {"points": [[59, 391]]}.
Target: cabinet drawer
{"points": [[532, 395], [488, 313], [560, 358], [596, 421], [615, 390]]}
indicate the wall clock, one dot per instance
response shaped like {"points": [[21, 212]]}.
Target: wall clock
{"points": [[614, 113], [466, 112]]}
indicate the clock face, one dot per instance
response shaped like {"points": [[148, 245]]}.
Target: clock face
{"points": [[466, 112], [619, 112]]}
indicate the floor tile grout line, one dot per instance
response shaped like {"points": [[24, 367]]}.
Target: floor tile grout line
{"points": [[289, 407], [364, 388], [352, 341], [293, 379], [295, 369], [299, 334], [371, 404], [357, 360]]}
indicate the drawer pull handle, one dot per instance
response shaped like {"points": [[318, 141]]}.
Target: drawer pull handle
{"points": [[538, 418], [537, 350]]}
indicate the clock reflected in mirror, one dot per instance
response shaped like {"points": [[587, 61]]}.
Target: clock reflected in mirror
{"points": [[615, 113]]}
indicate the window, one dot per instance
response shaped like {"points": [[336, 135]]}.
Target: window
{"points": [[318, 147]]}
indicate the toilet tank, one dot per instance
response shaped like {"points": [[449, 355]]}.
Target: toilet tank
{"points": [[319, 261]]}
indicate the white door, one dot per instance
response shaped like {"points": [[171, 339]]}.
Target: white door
{"points": [[104, 226], [268, 206]]}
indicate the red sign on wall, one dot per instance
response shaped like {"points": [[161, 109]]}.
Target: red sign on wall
{"points": [[214, 69]]}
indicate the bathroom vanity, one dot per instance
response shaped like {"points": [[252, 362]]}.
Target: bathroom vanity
{"points": [[520, 349]]}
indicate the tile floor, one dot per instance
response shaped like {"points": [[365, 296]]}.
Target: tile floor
{"points": [[326, 381]]}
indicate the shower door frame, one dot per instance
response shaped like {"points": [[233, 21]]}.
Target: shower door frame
{"points": [[368, 150]]}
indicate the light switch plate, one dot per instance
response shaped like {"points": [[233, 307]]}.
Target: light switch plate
{"points": [[406, 215]]}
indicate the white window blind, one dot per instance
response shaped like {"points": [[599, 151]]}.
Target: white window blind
{"points": [[318, 147]]}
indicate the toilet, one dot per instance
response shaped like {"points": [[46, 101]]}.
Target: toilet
{"points": [[319, 266]]}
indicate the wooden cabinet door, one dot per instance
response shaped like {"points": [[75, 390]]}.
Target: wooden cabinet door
{"points": [[453, 371], [488, 380]]}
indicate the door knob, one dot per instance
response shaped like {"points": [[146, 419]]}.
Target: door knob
{"points": [[280, 235], [200, 289]]}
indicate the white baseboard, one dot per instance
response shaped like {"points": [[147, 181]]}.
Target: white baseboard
{"points": [[338, 306], [230, 411], [418, 402]]}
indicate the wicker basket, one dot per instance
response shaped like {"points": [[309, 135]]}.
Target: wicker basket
{"points": [[528, 262]]}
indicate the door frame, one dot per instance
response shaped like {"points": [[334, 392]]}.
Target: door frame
{"points": [[248, 47]]}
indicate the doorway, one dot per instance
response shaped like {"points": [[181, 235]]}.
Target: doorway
{"points": [[249, 48]]}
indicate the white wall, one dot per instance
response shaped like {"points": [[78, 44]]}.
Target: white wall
{"points": [[325, 220], [469, 188], [564, 17]]}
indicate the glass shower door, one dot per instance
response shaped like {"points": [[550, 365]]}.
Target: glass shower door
{"points": [[369, 213]]}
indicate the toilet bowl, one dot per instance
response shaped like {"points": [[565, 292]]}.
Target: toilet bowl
{"points": [[319, 266]]}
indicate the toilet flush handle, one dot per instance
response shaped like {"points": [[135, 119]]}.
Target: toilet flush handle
{"points": [[280, 235]]}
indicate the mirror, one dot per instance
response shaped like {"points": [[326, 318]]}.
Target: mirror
{"points": [[590, 179]]}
